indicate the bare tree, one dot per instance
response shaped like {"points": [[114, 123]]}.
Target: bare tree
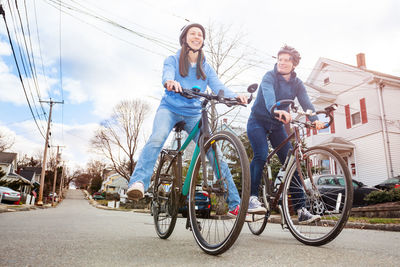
{"points": [[95, 168], [5, 142], [118, 137], [229, 58]]}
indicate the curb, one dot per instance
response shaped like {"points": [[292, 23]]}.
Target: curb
{"points": [[353, 225], [13, 208]]}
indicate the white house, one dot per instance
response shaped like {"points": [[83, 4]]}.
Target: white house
{"points": [[8, 164], [366, 128], [115, 183]]}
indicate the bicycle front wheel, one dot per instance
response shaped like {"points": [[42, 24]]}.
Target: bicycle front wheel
{"points": [[329, 205], [226, 187], [164, 206]]}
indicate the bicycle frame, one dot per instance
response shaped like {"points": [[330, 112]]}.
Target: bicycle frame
{"points": [[202, 126], [292, 155]]}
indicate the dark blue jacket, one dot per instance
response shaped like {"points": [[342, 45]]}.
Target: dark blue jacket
{"points": [[274, 88]]}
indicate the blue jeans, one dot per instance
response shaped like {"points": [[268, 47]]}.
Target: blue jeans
{"points": [[259, 133], [163, 123]]}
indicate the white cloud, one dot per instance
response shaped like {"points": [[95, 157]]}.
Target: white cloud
{"points": [[4, 49], [76, 93], [99, 70]]}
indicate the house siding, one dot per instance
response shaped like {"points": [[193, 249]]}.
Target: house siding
{"points": [[370, 159], [359, 90], [394, 143]]}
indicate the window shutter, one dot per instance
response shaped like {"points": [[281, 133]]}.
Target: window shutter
{"points": [[347, 113], [333, 123], [363, 109]]}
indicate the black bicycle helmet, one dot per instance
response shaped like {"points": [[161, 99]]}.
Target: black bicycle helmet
{"points": [[182, 37], [294, 54]]}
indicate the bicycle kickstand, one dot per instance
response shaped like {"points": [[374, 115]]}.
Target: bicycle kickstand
{"points": [[283, 223]]}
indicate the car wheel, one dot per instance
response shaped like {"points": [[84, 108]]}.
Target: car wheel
{"points": [[318, 207]]}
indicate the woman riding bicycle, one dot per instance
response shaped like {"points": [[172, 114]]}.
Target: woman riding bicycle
{"points": [[186, 69], [277, 84]]}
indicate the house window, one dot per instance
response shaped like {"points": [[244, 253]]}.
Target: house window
{"points": [[326, 81], [356, 113], [355, 118], [323, 118]]}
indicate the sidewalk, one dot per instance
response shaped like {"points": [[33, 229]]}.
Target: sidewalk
{"points": [[13, 208]]}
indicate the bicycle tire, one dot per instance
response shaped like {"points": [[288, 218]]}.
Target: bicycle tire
{"points": [[217, 232], [165, 203], [259, 222], [336, 213]]}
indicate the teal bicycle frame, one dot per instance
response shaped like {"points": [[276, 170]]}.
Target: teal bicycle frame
{"points": [[202, 126]]}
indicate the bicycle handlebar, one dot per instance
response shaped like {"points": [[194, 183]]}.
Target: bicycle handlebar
{"points": [[229, 101], [194, 93], [327, 111]]}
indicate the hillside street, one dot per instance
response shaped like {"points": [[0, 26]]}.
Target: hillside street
{"points": [[77, 234]]}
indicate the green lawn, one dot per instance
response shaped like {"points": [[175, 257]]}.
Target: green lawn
{"points": [[374, 220]]}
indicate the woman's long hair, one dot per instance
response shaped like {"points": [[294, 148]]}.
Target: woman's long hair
{"points": [[184, 62]]}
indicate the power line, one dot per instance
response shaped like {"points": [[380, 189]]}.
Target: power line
{"points": [[2, 12], [39, 43], [108, 33], [31, 66]]}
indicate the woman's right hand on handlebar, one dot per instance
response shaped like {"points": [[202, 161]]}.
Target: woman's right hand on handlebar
{"points": [[283, 116], [173, 86]]}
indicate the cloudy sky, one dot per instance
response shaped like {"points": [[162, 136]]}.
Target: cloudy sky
{"points": [[103, 63]]}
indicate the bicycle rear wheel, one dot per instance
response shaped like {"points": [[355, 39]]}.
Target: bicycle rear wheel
{"points": [[258, 222], [164, 205], [227, 185], [332, 205]]}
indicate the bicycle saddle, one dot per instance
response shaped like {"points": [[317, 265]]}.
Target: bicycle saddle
{"points": [[179, 126]]}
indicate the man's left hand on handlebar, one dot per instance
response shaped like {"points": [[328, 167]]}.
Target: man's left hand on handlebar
{"points": [[283, 116], [319, 125]]}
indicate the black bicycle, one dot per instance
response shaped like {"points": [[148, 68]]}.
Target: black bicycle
{"points": [[299, 174], [219, 170]]}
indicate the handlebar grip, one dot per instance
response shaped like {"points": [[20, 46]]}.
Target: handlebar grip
{"points": [[282, 102]]}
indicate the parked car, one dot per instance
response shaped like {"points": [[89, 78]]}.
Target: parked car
{"points": [[50, 197], [9, 195], [389, 183], [331, 185], [202, 205], [98, 196]]}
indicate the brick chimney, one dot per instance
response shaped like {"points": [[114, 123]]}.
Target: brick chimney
{"points": [[361, 61]]}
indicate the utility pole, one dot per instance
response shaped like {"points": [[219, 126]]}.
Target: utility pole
{"points": [[62, 182], [40, 200], [55, 176]]}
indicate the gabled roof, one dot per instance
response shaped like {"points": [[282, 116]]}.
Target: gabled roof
{"points": [[338, 142], [375, 73], [27, 174], [369, 75], [7, 157], [37, 170], [13, 177]]}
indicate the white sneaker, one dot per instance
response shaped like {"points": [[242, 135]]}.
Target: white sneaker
{"points": [[135, 191], [255, 206], [305, 217]]}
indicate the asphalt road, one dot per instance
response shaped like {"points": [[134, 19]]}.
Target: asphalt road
{"points": [[77, 234]]}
